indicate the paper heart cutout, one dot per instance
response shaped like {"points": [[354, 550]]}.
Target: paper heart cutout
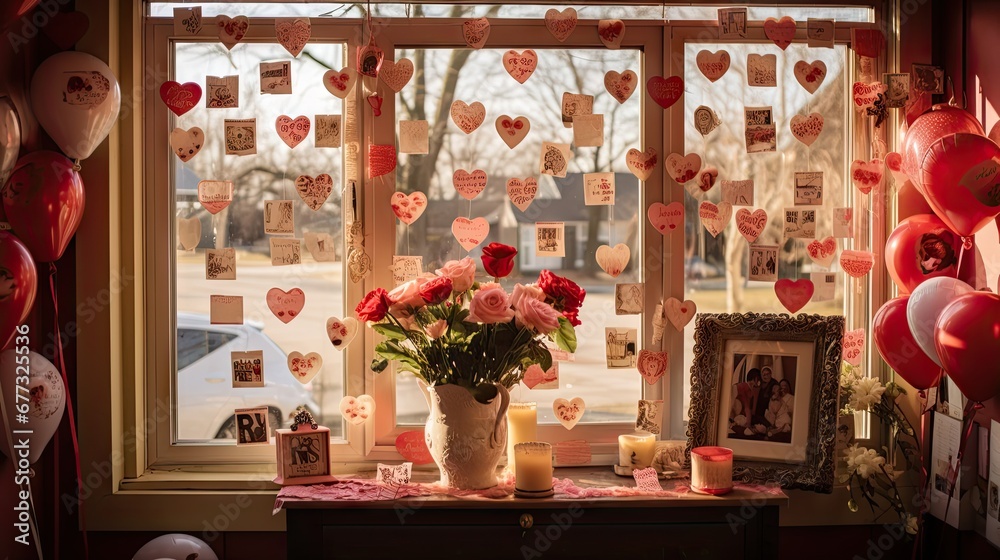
{"points": [[468, 117], [475, 32], [357, 410], [666, 218], [512, 130], [853, 346], [314, 191], [611, 32], [522, 192], [304, 367], [232, 30], [620, 86], [520, 65], [293, 34], [381, 159], [706, 178], [180, 98], [286, 305], [560, 24], [682, 168], [806, 129], [894, 162], [341, 331], [652, 365], [865, 95], [292, 131], [211, 198], [188, 232], [340, 82], [641, 164], [751, 224], [822, 251], [569, 412], [411, 445], [856, 263], [470, 233], [715, 216], [187, 143], [794, 294], [810, 75], [408, 207], [396, 74], [665, 91], [613, 260], [375, 101], [535, 375], [469, 185], [65, 29], [866, 175], [781, 31], [679, 313], [713, 65]]}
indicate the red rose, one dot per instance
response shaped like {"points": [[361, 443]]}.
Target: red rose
{"points": [[572, 317], [437, 290], [498, 259], [567, 296], [374, 306]]}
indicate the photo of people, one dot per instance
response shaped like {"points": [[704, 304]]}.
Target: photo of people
{"points": [[936, 252], [762, 401]]}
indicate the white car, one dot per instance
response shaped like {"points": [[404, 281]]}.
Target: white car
{"points": [[206, 398]]}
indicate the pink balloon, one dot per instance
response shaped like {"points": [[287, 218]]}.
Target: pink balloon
{"points": [[46, 399], [961, 181], [921, 247], [925, 305], [44, 203], [942, 120], [967, 338], [18, 284], [895, 344]]}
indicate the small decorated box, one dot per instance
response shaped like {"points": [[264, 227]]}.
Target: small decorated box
{"points": [[303, 452]]}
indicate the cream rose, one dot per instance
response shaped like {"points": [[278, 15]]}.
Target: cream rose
{"points": [[530, 291], [490, 304], [462, 273], [537, 315], [436, 329], [406, 296]]}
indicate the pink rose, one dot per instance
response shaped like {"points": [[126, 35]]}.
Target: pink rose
{"points": [[531, 291], [490, 304], [406, 296], [537, 315], [462, 273], [436, 329]]}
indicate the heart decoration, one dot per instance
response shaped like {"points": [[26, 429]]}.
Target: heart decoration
{"points": [[314, 191], [381, 159], [806, 129], [865, 95], [679, 313], [180, 98], [232, 30], [293, 33], [611, 32], [856, 263], [408, 207], [641, 164], [810, 75], [715, 216], [522, 191], [666, 218], [469, 185], [853, 346], [652, 365], [781, 31], [468, 117], [286, 305], [65, 29], [665, 91], [620, 86], [520, 65], [751, 224], [683, 168], [794, 294], [340, 82], [215, 196], [187, 143], [535, 375], [894, 162], [560, 24], [292, 131], [411, 445], [304, 367], [512, 130], [188, 232], [613, 260], [706, 178], [822, 251], [341, 331], [357, 410], [865, 175], [375, 100], [396, 74], [475, 32], [568, 412], [713, 65], [470, 233]]}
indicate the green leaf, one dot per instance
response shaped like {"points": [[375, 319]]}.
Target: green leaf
{"points": [[379, 365], [391, 332], [565, 337]]}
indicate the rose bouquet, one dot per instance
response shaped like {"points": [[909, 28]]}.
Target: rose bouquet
{"points": [[448, 328]]}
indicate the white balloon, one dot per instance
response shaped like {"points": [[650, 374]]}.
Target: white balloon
{"points": [[10, 138], [45, 405], [76, 99], [175, 545], [925, 306]]}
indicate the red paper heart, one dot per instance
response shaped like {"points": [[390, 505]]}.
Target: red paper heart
{"points": [[292, 131], [751, 224], [853, 346], [381, 159], [412, 446], [866, 175], [180, 98], [65, 29], [822, 251], [641, 164], [652, 365], [794, 294], [781, 31], [666, 218], [856, 263], [665, 91]]}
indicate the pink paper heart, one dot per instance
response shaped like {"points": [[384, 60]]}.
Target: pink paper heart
{"points": [[396, 74], [682, 168], [232, 30], [187, 143], [715, 217], [408, 207], [665, 91], [293, 34], [412, 446], [613, 260], [522, 192], [469, 185], [470, 233], [620, 86], [821, 251], [292, 131], [806, 129], [215, 196], [568, 411], [381, 159], [468, 117], [713, 65], [286, 305], [304, 367], [340, 82], [652, 365], [475, 32], [856, 263], [641, 164], [512, 130], [810, 75], [751, 224], [679, 313], [535, 375], [794, 294], [520, 65], [357, 410], [666, 218], [341, 331], [781, 31], [314, 191], [611, 32], [853, 346], [894, 162], [560, 24], [180, 98], [866, 175]]}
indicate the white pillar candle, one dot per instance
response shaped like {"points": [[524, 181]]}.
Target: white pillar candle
{"points": [[522, 426], [712, 470], [636, 450], [533, 472]]}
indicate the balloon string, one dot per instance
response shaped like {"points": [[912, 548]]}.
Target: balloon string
{"points": [[76, 164], [966, 244]]}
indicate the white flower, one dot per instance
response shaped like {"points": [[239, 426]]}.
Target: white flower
{"points": [[911, 524], [863, 461], [848, 376], [866, 392]]}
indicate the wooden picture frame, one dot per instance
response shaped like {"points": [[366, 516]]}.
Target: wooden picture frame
{"points": [[303, 455], [774, 442]]}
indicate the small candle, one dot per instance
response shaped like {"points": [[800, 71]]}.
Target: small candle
{"points": [[712, 470], [636, 450], [522, 426], [533, 474]]}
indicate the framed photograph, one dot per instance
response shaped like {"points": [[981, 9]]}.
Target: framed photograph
{"points": [[766, 386]]}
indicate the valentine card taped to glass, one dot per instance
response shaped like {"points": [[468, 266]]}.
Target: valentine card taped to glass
{"points": [[824, 286], [574, 104], [738, 193], [220, 264], [620, 347], [760, 130], [405, 268], [187, 21], [550, 239], [222, 92], [279, 217], [628, 299], [808, 188], [598, 189], [554, 159], [413, 137], [763, 263], [226, 310], [588, 130], [328, 131], [248, 368], [241, 137], [285, 251], [276, 77], [732, 23], [800, 223]]}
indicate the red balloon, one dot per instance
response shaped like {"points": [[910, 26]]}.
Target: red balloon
{"points": [[921, 247], [910, 201], [961, 181], [18, 283], [967, 338], [44, 203], [895, 343], [942, 120]]}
